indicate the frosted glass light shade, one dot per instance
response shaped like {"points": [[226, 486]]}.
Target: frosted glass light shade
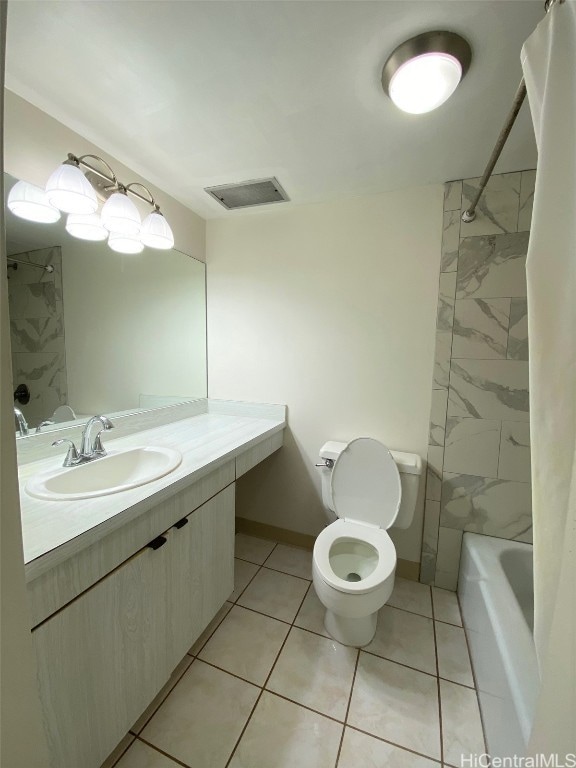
{"points": [[156, 232], [86, 226], [125, 243], [29, 202], [120, 215], [425, 82], [70, 191]]}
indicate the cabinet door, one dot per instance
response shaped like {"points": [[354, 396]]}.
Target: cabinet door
{"points": [[202, 570], [102, 659]]}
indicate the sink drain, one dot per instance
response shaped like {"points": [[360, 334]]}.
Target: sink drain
{"points": [[353, 577]]}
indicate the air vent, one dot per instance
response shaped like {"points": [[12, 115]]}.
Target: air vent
{"points": [[248, 193]]}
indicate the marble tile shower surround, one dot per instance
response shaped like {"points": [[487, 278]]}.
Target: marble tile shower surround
{"points": [[478, 475], [37, 332]]}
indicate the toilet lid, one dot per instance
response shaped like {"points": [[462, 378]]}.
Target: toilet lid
{"points": [[366, 484]]}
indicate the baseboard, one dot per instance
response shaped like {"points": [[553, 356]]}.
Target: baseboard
{"points": [[406, 569], [272, 532]]}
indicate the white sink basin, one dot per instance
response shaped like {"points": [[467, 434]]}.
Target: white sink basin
{"points": [[110, 474]]}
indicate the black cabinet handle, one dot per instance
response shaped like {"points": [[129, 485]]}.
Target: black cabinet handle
{"points": [[181, 523], [158, 542]]}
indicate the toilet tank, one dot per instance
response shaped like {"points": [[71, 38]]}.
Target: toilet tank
{"points": [[410, 469]]}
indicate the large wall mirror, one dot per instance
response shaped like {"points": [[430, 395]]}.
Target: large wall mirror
{"points": [[99, 331]]}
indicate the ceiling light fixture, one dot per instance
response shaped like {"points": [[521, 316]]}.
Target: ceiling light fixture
{"points": [[76, 192], [423, 72]]}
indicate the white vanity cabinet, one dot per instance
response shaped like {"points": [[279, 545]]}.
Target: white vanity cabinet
{"points": [[201, 571], [104, 656]]}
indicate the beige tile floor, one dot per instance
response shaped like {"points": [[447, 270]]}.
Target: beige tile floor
{"points": [[266, 687]]}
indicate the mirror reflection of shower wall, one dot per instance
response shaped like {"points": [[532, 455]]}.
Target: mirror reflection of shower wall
{"points": [[37, 330], [104, 332]]}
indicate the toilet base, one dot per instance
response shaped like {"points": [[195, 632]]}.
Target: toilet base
{"points": [[356, 632]]}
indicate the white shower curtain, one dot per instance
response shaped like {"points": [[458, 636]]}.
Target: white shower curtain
{"points": [[549, 64]]}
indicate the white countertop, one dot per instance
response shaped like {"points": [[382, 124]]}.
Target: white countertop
{"points": [[206, 442]]}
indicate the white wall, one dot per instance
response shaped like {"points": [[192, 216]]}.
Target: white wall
{"points": [[23, 743], [330, 309], [35, 144]]}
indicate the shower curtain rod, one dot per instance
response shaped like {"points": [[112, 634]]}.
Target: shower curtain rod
{"points": [[45, 267], [470, 212]]}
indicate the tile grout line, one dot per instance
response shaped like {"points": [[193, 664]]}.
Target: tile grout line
{"points": [[194, 655], [270, 553], [267, 678], [261, 613], [137, 733], [258, 569], [277, 570], [175, 760], [438, 683], [348, 708], [393, 743]]}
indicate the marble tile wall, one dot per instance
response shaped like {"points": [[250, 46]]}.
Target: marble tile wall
{"points": [[478, 476], [37, 332]]}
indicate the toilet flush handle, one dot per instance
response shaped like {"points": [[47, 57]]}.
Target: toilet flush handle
{"points": [[326, 464]]}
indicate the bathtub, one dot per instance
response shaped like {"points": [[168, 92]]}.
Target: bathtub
{"points": [[497, 601]]}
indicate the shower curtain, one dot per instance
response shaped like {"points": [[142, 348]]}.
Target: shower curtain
{"points": [[549, 64]]}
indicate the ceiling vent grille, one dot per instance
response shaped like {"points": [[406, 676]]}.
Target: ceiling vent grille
{"points": [[248, 193]]}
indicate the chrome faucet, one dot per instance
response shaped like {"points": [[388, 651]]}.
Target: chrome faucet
{"points": [[92, 450], [89, 450], [22, 423]]}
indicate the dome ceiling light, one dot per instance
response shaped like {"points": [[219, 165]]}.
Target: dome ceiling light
{"points": [[424, 71]]}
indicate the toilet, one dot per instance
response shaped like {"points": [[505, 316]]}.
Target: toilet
{"points": [[370, 488]]}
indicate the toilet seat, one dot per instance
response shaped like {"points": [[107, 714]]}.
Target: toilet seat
{"points": [[365, 484], [343, 530]]}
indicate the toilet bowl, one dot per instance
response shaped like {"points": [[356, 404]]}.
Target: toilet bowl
{"points": [[354, 558]]}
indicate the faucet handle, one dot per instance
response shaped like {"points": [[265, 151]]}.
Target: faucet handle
{"points": [[72, 457], [45, 423], [97, 448]]}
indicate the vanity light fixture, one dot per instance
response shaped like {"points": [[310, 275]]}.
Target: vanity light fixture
{"points": [[125, 243], [86, 226], [156, 232], [120, 215], [28, 201], [424, 71], [70, 191], [75, 188]]}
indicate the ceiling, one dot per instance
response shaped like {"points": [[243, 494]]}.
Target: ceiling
{"points": [[192, 94]]}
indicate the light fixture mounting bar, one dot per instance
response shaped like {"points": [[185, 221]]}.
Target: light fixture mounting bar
{"points": [[150, 201], [113, 180]]}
